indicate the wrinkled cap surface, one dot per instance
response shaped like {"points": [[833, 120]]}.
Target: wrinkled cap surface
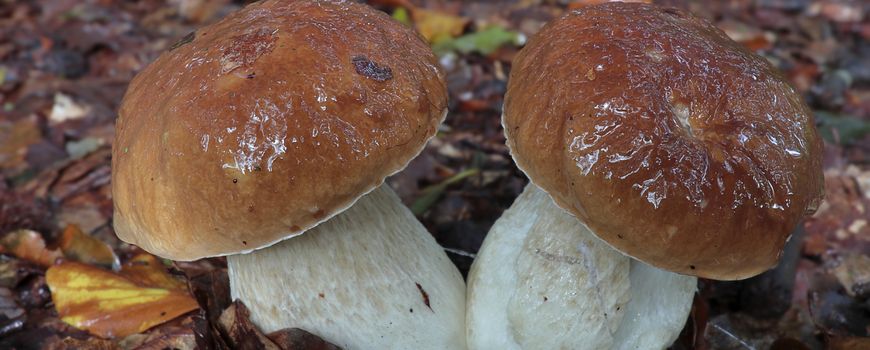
{"points": [[670, 141], [268, 122]]}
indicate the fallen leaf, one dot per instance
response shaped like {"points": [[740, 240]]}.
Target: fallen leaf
{"points": [[841, 129], [243, 334], [839, 11], [146, 270], [295, 338], [8, 307], [13, 271], [15, 138], [199, 11], [210, 286], [484, 42], [432, 193], [81, 148], [849, 343], [66, 109], [70, 343], [401, 15], [81, 247], [109, 305], [437, 26], [169, 336], [12, 316], [853, 272], [30, 246]]}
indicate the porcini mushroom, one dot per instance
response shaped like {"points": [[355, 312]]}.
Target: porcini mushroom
{"points": [[542, 281], [663, 138], [285, 117]]}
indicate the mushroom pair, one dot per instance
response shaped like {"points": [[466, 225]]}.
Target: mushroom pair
{"points": [[651, 130], [639, 125], [285, 117]]}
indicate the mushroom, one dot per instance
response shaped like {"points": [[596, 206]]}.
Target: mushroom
{"points": [[542, 281], [285, 117], [654, 132]]}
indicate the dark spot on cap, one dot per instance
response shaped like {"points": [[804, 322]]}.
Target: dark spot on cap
{"points": [[245, 242], [235, 180], [186, 39], [162, 313], [371, 70], [692, 267], [250, 208], [545, 299], [295, 228], [321, 295], [411, 310]]}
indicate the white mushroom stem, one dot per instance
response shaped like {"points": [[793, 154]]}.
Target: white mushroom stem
{"points": [[371, 277], [542, 281]]}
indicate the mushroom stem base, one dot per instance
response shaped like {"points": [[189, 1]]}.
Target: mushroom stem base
{"points": [[371, 277]]}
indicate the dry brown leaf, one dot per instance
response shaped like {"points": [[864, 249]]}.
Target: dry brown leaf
{"points": [[109, 305], [179, 336], [30, 246], [146, 270], [70, 343], [243, 334], [849, 343], [84, 248], [295, 338], [853, 272], [14, 140]]}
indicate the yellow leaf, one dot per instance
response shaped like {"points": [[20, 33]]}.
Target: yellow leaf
{"points": [[29, 245], [146, 270], [109, 305], [82, 247], [401, 15], [436, 26]]}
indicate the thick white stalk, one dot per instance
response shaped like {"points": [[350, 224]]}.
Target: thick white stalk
{"points": [[660, 303], [542, 281], [371, 277]]}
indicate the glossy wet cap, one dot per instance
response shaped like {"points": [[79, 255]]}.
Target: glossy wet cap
{"points": [[268, 122], [670, 141]]}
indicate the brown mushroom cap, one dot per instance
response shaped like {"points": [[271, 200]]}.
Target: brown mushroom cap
{"points": [[268, 122], [670, 141]]}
